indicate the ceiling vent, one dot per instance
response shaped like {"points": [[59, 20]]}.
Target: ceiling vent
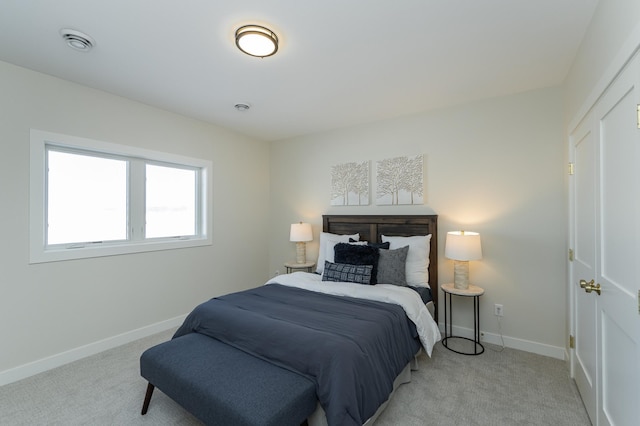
{"points": [[77, 40]]}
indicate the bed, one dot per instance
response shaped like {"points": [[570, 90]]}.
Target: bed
{"points": [[355, 342]]}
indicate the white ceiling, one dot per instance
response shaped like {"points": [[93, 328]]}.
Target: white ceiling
{"points": [[340, 62]]}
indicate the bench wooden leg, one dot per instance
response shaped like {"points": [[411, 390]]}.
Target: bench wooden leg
{"points": [[147, 398]]}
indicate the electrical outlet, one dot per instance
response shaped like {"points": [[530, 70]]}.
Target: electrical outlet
{"points": [[498, 310], [276, 273]]}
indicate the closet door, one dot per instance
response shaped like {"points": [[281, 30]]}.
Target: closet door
{"points": [[618, 271], [605, 235]]}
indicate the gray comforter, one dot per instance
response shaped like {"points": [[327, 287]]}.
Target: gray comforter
{"points": [[352, 348]]}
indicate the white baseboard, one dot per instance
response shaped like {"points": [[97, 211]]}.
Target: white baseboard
{"points": [[57, 360], [511, 342], [39, 366]]}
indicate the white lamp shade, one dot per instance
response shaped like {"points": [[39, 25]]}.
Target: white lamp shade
{"points": [[463, 245], [301, 232]]}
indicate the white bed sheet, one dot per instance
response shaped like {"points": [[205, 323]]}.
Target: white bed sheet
{"points": [[407, 298]]}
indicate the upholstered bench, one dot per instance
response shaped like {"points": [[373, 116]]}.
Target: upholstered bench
{"points": [[222, 385]]}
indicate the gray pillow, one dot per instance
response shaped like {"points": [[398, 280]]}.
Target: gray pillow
{"points": [[391, 266]]}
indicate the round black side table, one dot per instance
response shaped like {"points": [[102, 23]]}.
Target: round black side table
{"points": [[475, 292]]}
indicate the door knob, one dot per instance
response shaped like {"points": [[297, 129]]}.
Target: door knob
{"points": [[590, 287], [585, 284]]}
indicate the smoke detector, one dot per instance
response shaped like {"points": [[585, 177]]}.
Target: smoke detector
{"points": [[77, 40], [242, 106]]}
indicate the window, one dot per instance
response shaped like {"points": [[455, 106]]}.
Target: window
{"points": [[170, 201], [86, 198], [91, 198]]}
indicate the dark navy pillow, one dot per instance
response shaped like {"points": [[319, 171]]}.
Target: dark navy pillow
{"points": [[376, 245], [353, 254]]}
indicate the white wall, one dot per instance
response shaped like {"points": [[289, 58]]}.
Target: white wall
{"points": [[613, 23], [494, 166], [48, 309]]}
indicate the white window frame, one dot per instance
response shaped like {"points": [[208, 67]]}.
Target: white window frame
{"points": [[39, 252]]}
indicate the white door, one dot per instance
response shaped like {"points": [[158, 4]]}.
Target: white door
{"points": [[605, 232], [583, 210], [618, 272]]}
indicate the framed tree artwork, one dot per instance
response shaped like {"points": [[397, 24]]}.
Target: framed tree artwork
{"points": [[350, 184], [400, 180]]}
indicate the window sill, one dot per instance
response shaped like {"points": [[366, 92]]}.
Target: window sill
{"points": [[39, 255]]}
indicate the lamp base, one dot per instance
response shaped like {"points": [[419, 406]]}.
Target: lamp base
{"points": [[301, 252], [461, 274]]}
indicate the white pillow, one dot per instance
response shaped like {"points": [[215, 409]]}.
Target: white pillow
{"points": [[327, 243], [417, 265]]}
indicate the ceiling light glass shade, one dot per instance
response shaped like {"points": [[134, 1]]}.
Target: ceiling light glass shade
{"points": [[257, 41]]}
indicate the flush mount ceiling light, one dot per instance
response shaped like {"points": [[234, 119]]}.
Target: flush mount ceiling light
{"points": [[255, 40], [77, 40]]}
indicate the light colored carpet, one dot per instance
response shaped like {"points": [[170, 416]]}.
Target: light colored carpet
{"points": [[496, 388]]}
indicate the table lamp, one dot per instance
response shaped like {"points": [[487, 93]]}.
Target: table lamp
{"points": [[462, 246], [300, 234]]}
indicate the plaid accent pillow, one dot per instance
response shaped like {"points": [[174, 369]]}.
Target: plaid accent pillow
{"points": [[342, 272]]}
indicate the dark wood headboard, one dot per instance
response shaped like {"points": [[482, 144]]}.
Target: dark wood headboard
{"points": [[371, 227]]}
